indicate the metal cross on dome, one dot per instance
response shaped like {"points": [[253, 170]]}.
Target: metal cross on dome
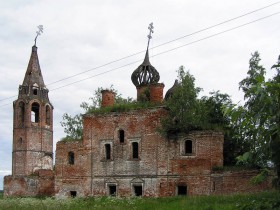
{"points": [[151, 27]]}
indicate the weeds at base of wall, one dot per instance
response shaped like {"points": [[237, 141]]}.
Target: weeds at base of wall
{"points": [[264, 200]]}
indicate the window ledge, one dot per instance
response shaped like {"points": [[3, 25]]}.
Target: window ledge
{"points": [[134, 159], [105, 160], [189, 155]]}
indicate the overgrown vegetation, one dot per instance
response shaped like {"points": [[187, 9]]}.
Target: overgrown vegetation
{"points": [[252, 131], [259, 201], [258, 121], [73, 126], [123, 107], [187, 112]]}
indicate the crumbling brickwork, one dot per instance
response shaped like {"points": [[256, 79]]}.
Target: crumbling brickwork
{"points": [[32, 137], [230, 182], [121, 153], [40, 183], [107, 160]]}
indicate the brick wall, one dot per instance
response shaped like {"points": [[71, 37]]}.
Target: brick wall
{"points": [[32, 141], [41, 183], [105, 158], [237, 182], [156, 92]]}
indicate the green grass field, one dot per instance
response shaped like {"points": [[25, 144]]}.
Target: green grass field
{"points": [[262, 201]]}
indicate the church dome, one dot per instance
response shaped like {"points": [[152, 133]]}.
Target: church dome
{"points": [[170, 92], [145, 74]]}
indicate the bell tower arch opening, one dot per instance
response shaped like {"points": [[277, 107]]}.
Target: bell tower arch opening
{"points": [[35, 112]]}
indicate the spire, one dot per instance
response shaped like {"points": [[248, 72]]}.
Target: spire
{"points": [[33, 73], [146, 61], [145, 74]]}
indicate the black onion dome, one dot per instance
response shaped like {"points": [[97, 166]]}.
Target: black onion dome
{"points": [[170, 92], [145, 74]]}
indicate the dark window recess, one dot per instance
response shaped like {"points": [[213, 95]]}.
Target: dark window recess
{"points": [[182, 190], [108, 151], [20, 140], [48, 115], [112, 190], [188, 146], [35, 112], [135, 150], [73, 194], [35, 91], [138, 190], [121, 136], [71, 158]]}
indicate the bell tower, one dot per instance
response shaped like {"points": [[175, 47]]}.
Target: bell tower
{"points": [[32, 123]]}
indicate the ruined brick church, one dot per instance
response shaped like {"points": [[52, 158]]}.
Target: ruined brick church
{"points": [[121, 153]]}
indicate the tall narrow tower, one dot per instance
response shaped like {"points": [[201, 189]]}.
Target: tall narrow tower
{"points": [[33, 123]]}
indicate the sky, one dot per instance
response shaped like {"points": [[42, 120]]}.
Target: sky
{"points": [[81, 36]]}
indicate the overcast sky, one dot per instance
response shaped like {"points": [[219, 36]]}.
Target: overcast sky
{"points": [[82, 35]]}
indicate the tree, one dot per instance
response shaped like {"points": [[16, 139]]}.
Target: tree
{"points": [[73, 126], [186, 112], [217, 120], [258, 121], [183, 106]]}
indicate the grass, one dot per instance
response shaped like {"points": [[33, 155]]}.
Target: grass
{"points": [[124, 107], [265, 200]]}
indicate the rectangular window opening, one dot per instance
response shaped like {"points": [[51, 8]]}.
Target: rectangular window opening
{"points": [[121, 136], [73, 194], [182, 190], [188, 147], [108, 151], [112, 190], [138, 190], [71, 158], [135, 150]]}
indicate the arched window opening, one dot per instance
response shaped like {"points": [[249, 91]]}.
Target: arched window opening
{"points": [[21, 113], [48, 115], [35, 112], [71, 158], [188, 147], [121, 136], [135, 150], [108, 151]]}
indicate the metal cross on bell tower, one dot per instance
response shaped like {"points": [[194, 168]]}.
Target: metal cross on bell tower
{"points": [[39, 32], [151, 27]]}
